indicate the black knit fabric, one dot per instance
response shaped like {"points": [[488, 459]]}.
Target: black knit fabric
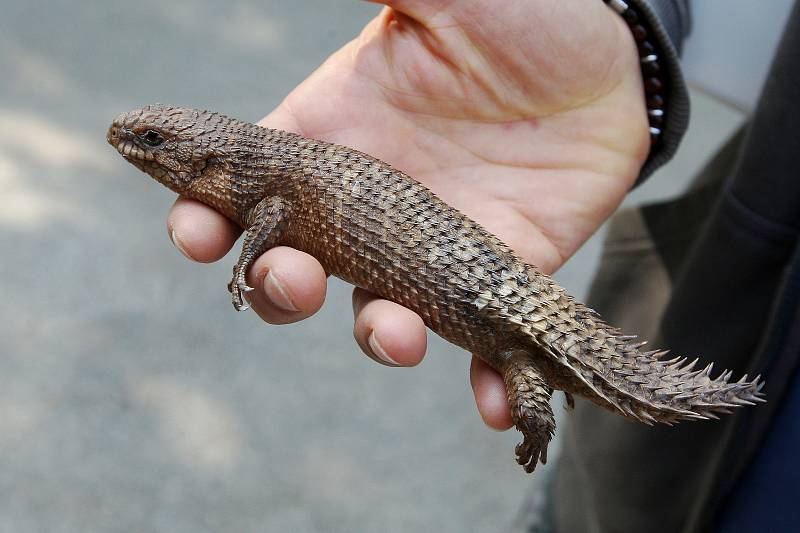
{"points": [[675, 17]]}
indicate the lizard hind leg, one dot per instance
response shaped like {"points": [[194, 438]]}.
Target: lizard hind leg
{"points": [[529, 400]]}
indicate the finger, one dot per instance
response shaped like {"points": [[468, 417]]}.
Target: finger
{"points": [[290, 285], [490, 395], [388, 332], [200, 232]]}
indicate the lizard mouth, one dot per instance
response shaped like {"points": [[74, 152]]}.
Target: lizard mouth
{"points": [[129, 150], [122, 139], [141, 159]]}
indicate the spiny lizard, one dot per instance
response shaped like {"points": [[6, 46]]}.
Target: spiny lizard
{"points": [[377, 228]]}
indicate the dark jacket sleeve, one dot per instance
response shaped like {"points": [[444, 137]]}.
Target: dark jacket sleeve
{"points": [[674, 16], [670, 22]]}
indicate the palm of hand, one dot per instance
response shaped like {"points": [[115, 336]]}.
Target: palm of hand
{"points": [[535, 129], [527, 116]]}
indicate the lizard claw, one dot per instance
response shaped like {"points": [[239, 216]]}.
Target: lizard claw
{"points": [[238, 291]]}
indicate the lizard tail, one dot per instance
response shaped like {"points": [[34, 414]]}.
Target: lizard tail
{"points": [[616, 374], [651, 389]]}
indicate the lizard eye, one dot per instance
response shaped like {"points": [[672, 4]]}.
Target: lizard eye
{"points": [[152, 138]]}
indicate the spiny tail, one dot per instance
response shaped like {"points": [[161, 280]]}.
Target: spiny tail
{"points": [[618, 375]]}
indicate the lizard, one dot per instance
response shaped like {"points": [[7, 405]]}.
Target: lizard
{"points": [[377, 228]]}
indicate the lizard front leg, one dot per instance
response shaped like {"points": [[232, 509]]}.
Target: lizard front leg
{"points": [[266, 223], [529, 400]]}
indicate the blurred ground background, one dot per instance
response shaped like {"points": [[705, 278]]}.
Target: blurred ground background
{"points": [[132, 397]]}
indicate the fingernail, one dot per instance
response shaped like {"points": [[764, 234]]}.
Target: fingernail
{"points": [[177, 242], [277, 294], [379, 351]]}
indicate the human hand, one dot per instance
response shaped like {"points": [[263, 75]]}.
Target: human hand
{"points": [[528, 116]]}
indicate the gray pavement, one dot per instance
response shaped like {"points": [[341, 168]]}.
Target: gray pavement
{"points": [[132, 397]]}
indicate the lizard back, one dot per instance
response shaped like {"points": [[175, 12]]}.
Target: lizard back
{"points": [[375, 227]]}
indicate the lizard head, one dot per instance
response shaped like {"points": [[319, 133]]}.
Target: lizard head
{"points": [[172, 144]]}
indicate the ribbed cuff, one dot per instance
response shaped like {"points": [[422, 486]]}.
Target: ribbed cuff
{"points": [[675, 17]]}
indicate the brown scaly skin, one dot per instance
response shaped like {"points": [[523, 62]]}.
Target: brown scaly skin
{"points": [[373, 226]]}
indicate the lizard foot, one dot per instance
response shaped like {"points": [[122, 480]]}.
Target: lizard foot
{"points": [[237, 291], [529, 400], [533, 449]]}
